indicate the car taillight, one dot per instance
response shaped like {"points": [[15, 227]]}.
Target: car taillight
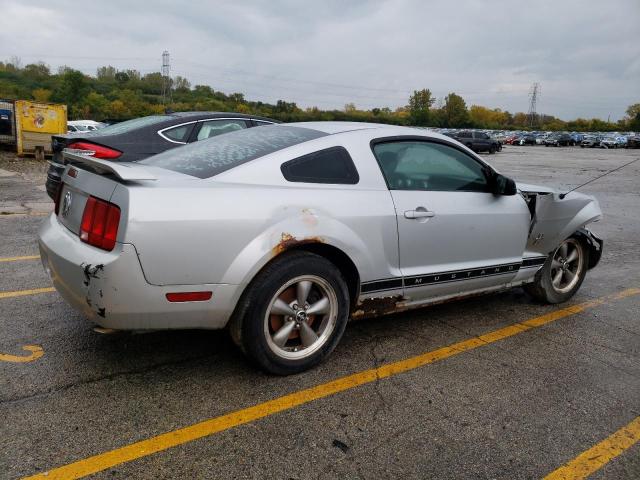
{"points": [[100, 223], [94, 150]]}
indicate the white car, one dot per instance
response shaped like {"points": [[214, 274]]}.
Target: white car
{"points": [[74, 126], [282, 233]]}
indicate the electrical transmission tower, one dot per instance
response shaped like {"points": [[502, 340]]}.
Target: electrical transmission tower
{"points": [[166, 78], [534, 93]]}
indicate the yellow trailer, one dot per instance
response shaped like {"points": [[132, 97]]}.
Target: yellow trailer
{"points": [[35, 123]]}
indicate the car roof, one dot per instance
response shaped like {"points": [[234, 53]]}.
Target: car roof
{"points": [[337, 127], [332, 127], [188, 115]]}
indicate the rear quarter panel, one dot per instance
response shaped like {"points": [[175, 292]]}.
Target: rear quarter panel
{"points": [[224, 231]]}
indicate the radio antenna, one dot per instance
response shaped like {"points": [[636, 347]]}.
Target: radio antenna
{"points": [[562, 195]]}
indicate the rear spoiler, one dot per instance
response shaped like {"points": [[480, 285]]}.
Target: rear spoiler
{"points": [[123, 170]]}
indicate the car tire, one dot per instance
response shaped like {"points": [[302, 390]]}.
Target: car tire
{"points": [[492, 149], [270, 306], [546, 144], [562, 274]]}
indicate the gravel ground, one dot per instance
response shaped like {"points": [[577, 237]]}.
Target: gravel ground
{"points": [[34, 170]]}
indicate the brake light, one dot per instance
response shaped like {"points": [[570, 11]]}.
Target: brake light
{"points": [[100, 223], [97, 151], [189, 296]]}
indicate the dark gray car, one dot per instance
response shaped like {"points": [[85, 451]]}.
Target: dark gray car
{"points": [[140, 138], [478, 141]]}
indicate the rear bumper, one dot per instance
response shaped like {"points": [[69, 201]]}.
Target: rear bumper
{"points": [[109, 288]]}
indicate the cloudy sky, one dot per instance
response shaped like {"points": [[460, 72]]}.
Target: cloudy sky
{"points": [[586, 56]]}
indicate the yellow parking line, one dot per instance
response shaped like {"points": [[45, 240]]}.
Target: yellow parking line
{"points": [[599, 455], [36, 353], [193, 432], [18, 259], [22, 293]]}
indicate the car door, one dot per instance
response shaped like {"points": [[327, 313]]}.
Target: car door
{"points": [[454, 235], [211, 128]]}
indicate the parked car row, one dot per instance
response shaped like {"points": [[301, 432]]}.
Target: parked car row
{"points": [[549, 139]]}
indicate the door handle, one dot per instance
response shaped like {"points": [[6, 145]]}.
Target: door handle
{"points": [[418, 213]]}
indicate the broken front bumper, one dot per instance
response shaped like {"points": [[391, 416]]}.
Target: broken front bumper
{"points": [[111, 290]]}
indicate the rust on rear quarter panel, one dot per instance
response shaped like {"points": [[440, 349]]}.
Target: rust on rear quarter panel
{"points": [[288, 241]]}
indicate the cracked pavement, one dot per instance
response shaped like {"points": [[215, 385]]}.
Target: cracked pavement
{"points": [[516, 408]]}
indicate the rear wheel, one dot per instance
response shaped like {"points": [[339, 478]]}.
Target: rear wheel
{"points": [[562, 274], [296, 312]]}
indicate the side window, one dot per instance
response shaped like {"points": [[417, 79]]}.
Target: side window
{"points": [[260, 123], [416, 165], [465, 134], [333, 165], [178, 134], [212, 128]]}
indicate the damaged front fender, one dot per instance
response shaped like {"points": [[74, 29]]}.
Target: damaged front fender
{"points": [[554, 219]]}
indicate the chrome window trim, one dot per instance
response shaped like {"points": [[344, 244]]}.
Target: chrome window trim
{"points": [[161, 132]]}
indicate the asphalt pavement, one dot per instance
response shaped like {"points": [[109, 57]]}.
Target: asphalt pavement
{"points": [[519, 402]]}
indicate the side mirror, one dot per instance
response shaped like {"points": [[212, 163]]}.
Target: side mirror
{"points": [[502, 185]]}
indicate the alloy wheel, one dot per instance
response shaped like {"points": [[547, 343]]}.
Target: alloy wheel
{"points": [[567, 265], [301, 317]]}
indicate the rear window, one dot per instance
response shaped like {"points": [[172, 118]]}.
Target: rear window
{"points": [[129, 125], [212, 156]]}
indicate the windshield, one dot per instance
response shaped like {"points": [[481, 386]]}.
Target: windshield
{"points": [[215, 155]]}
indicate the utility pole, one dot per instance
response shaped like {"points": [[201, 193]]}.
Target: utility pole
{"points": [[534, 93], [166, 79]]}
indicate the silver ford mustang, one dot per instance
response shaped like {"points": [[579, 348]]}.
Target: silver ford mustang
{"points": [[282, 233]]}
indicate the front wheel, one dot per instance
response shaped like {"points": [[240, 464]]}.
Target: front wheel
{"points": [[562, 274], [492, 149], [296, 312]]}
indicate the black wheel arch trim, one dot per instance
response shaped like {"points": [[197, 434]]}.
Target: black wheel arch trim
{"points": [[594, 243]]}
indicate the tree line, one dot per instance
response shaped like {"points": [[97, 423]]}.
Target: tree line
{"points": [[123, 94]]}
